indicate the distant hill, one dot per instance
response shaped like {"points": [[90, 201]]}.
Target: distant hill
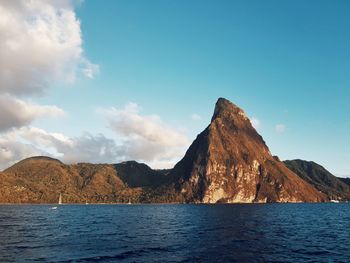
{"points": [[323, 180], [136, 174], [42, 179]]}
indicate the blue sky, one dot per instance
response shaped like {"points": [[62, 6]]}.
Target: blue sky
{"points": [[286, 63]]}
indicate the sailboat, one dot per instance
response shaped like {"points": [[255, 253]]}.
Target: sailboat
{"points": [[59, 202], [60, 199]]}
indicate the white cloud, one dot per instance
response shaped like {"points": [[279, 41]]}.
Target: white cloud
{"points": [[85, 148], [196, 117], [146, 137], [12, 151], [280, 128], [18, 113], [28, 141], [141, 138], [92, 148], [255, 122], [41, 43]]}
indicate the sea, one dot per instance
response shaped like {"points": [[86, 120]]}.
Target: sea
{"points": [[175, 233]]}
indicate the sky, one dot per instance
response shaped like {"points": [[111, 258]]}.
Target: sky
{"points": [[109, 81]]}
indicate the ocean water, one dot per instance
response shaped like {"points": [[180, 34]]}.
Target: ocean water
{"points": [[175, 233]]}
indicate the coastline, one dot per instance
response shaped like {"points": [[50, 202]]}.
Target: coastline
{"points": [[127, 204]]}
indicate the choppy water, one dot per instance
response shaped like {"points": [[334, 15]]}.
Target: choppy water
{"points": [[176, 233]]}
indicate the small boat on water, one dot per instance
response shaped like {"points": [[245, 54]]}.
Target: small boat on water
{"points": [[59, 202], [60, 199], [334, 201]]}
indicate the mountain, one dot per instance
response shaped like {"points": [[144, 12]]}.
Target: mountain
{"points": [[322, 179], [229, 162], [42, 179]]}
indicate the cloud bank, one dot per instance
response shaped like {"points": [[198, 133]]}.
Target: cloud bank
{"points": [[41, 43], [146, 137], [21, 143]]}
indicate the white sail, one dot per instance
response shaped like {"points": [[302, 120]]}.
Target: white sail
{"points": [[60, 200]]}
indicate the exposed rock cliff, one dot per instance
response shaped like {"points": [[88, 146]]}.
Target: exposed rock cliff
{"points": [[230, 162]]}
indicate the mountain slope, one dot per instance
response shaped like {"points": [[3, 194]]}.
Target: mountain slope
{"points": [[136, 174], [42, 179], [230, 162], [319, 177]]}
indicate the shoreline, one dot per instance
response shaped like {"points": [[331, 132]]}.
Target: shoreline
{"points": [[126, 204]]}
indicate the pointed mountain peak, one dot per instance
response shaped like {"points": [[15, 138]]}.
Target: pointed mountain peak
{"points": [[230, 162], [224, 107]]}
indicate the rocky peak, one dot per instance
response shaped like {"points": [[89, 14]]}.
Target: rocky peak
{"points": [[230, 162], [231, 134], [226, 109]]}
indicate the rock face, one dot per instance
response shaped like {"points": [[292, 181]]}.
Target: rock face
{"points": [[229, 162], [320, 178]]}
